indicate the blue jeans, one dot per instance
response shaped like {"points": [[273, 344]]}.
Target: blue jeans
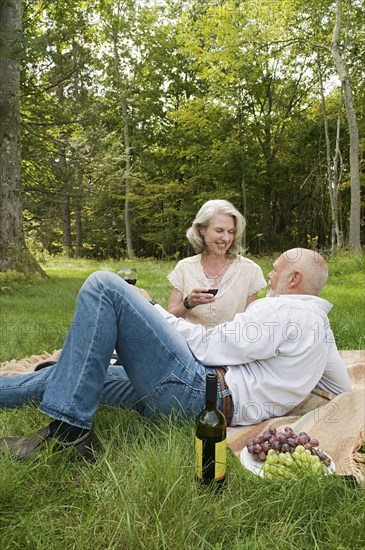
{"points": [[159, 375]]}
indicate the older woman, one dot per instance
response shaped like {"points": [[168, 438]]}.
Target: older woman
{"points": [[218, 282]]}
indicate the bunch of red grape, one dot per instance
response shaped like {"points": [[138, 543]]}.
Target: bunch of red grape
{"points": [[284, 442]]}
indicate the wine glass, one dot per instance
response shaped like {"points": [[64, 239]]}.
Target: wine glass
{"points": [[213, 289], [129, 274]]}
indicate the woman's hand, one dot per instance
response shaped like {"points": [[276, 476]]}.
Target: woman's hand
{"points": [[199, 296]]}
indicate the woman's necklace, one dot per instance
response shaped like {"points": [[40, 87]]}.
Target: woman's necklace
{"points": [[214, 276]]}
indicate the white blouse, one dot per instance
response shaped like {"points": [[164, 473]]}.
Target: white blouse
{"points": [[242, 279]]}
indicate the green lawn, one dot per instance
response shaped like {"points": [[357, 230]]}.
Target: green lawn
{"points": [[35, 318], [140, 493]]}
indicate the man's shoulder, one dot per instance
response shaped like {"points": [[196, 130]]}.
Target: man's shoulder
{"points": [[306, 302], [291, 301], [264, 306], [294, 310]]}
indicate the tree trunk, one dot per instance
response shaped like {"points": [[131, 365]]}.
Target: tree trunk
{"points": [[127, 150], [332, 169], [337, 177], [13, 252], [127, 178], [244, 204], [266, 221], [78, 222], [243, 178], [65, 206], [78, 195], [354, 233], [66, 223], [65, 195]]}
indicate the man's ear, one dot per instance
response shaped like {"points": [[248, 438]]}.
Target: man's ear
{"points": [[295, 278]]}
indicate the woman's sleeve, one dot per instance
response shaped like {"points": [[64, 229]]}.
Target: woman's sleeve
{"points": [[176, 277], [258, 281]]}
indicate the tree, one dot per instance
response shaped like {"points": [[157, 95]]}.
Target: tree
{"points": [[133, 114], [333, 169], [13, 252], [354, 234], [55, 101], [127, 146]]}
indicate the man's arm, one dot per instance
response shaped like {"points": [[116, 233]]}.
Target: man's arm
{"points": [[250, 336], [335, 378]]}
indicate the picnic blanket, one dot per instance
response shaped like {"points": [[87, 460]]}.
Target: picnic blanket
{"points": [[338, 422], [28, 364]]}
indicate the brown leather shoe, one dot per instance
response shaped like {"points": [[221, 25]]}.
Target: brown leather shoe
{"points": [[25, 446]]}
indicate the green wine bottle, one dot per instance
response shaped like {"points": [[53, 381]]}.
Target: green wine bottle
{"points": [[211, 438]]}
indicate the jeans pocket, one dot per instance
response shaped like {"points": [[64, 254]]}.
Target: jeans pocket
{"points": [[177, 398]]}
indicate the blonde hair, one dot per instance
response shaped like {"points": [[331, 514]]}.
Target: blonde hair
{"points": [[203, 219]]}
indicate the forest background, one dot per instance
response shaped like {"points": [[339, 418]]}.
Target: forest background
{"points": [[133, 113]]}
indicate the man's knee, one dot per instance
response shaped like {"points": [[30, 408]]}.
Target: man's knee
{"points": [[102, 280]]}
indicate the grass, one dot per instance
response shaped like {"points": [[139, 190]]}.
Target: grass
{"points": [[35, 317], [345, 289], [140, 492]]}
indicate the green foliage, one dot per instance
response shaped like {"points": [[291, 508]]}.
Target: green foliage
{"points": [[345, 264], [9, 280], [222, 101], [12, 281]]}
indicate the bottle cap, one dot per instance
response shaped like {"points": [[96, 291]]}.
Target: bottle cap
{"points": [[211, 387]]}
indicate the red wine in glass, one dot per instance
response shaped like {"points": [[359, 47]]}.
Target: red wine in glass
{"points": [[129, 274], [212, 291]]}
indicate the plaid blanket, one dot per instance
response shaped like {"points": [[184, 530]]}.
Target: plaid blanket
{"points": [[338, 422]]}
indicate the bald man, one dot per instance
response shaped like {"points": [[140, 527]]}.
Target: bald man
{"points": [[267, 359], [298, 271]]}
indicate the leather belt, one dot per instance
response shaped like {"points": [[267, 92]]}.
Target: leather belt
{"points": [[227, 404]]}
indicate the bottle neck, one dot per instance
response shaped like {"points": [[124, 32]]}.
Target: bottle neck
{"points": [[211, 391]]}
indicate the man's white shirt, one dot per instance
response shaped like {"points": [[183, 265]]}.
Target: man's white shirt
{"points": [[276, 352]]}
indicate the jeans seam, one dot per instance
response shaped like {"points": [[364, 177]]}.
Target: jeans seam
{"points": [[72, 401]]}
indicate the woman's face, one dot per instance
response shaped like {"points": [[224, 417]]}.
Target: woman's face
{"points": [[219, 234]]}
